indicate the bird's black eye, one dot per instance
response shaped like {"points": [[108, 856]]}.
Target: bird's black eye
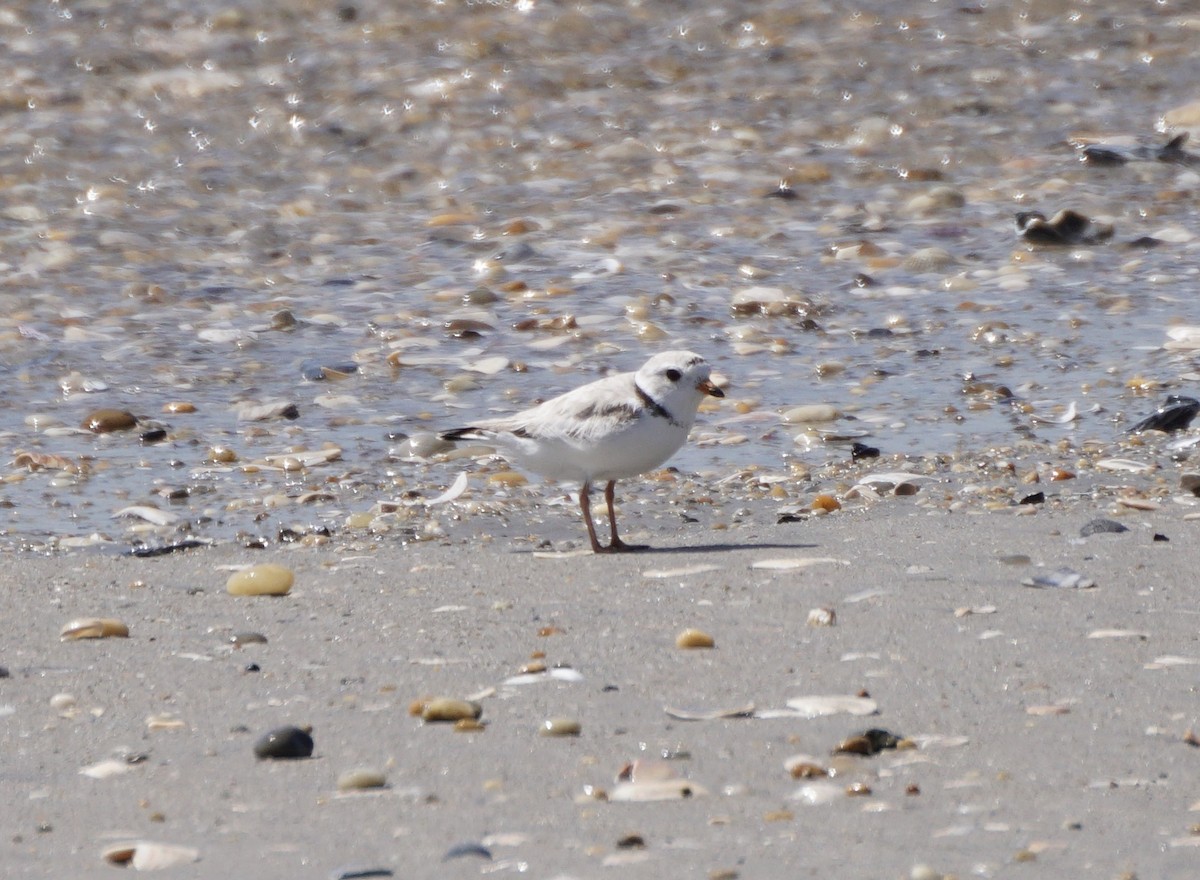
{"points": [[674, 375]]}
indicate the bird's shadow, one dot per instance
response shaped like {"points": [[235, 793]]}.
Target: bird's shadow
{"points": [[689, 548]]}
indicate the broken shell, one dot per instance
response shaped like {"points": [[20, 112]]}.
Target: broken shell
{"points": [[656, 790], [361, 778], [837, 704], [869, 742], [94, 628], [822, 617], [266, 579], [449, 709], [694, 638], [146, 855]]}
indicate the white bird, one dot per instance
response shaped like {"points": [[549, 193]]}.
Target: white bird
{"points": [[607, 430]]}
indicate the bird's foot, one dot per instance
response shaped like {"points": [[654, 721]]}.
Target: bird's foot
{"points": [[619, 546]]}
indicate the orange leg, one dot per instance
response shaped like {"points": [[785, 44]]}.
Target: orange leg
{"points": [[617, 544], [585, 505]]}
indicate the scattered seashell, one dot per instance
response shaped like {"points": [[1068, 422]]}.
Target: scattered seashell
{"points": [[694, 638], [869, 742], [145, 855], [149, 514], [810, 414], [285, 743], [361, 778], [266, 579], [449, 709], [795, 563], [1125, 464], [261, 412], [686, 571], [837, 704], [686, 714], [1118, 634], [656, 790], [822, 617], [37, 461], [1061, 578], [1102, 527], [818, 793], [94, 628], [106, 769]]}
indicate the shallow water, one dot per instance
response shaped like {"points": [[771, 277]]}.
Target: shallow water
{"points": [[593, 184]]}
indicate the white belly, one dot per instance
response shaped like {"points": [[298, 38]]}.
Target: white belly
{"points": [[643, 446]]}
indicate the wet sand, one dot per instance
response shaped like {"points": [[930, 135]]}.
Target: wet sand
{"points": [[1042, 749]]}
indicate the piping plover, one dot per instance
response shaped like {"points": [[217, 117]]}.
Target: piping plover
{"points": [[605, 431]]}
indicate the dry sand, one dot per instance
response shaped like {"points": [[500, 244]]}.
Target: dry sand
{"points": [[1104, 784]]}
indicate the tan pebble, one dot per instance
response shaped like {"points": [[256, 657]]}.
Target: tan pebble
{"points": [[858, 789], [723, 874], [451, 219], [179, 406], [520, 226], [807, 770], [511, 479], [694, 638], [267, 579], [560, 727], [532, 668], [826, 503], [361, 778], [94, 628], [777, 491], [449, 709], [103, 421], [778, 816], [822, 617], [550, 631], [359, 520], [469, 725], [417, 707], [810, 414], [1061, 474], [60, 702]]}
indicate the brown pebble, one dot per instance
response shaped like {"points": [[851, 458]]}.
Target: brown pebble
{"points": [[858, 789], [560, 727], [694, 638], [104, 421], [179, 406], [826, 503]]}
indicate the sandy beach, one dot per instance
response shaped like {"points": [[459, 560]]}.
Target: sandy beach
{"points": [[1046, 730]]}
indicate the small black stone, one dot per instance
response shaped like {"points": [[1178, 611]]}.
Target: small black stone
{"points": [[1035, 498], [285, 742], [862, 450]]}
